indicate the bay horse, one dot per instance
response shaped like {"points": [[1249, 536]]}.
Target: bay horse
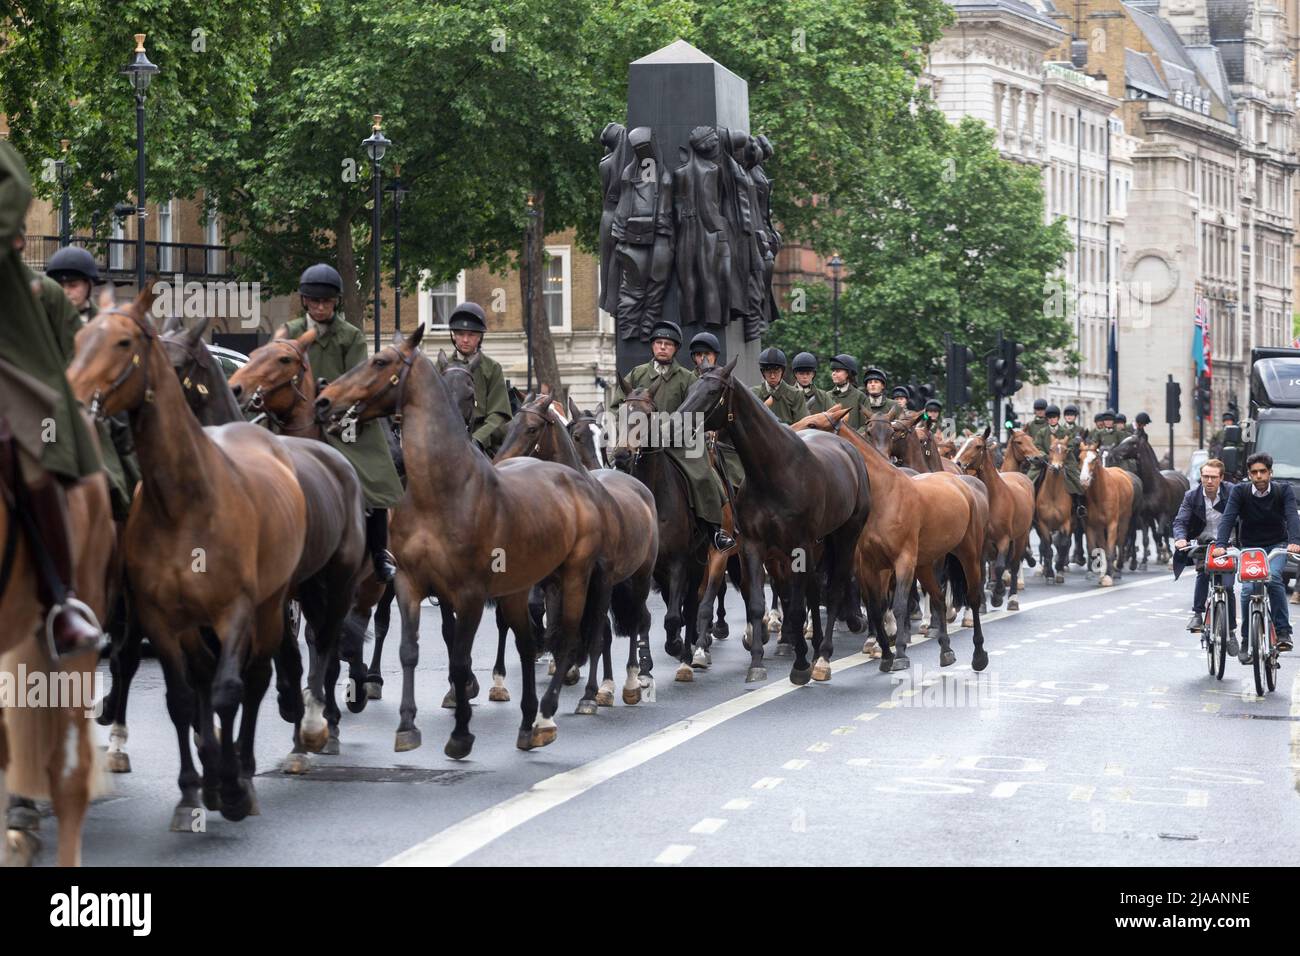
{"points": [[683, 548], [916, 525], [1020, 451], [467, 532], [209, 593], [49, 752], [1054, 516], [1162, 492], [801, 511], [1108, 494], [631, 541], [1011, 514]]}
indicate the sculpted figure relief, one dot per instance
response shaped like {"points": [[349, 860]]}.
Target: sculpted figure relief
{"points": [[642, 230]]}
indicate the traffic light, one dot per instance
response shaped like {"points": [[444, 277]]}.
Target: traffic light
{"points": [[1011, 362], [1173, 402], [923, 393], [1009, 417], [1202, 399], [998, 369], [957, 361]]}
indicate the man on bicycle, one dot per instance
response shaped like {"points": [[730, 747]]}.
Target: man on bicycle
{"points": [[1267, 516], [1199, 516]]}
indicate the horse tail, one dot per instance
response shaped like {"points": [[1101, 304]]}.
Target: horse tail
{"points": [[956, 575], [46, 740], [625, 609]]}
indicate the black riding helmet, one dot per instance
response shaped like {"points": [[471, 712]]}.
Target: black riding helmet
{"points": [[663, 329], [1143, 418], [901, 390], [848, 363], [73, 262], [705, 342], [771, 358], [1108, 415], [876, 373], [468, 317], [320, 281], [1072, 410], [804, 362], [1040, 403], [1052, 412]]}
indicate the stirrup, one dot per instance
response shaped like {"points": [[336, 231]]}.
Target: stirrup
{"points": [[80, 607], [385, 566], [723, 541]]}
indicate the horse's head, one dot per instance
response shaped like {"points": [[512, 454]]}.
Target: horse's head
{"points": [[1088, 460], [584, 429], [1023, 445], [277, 377], [373, 388], [1058, 453], [904, 431], [880, 432], [635, 423], [530, 430], [110, 371], [711, 396], [827, 421], [1126, 450], [460, 379], [190, 359], [974, 453]]}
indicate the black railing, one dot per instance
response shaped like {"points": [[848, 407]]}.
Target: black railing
{"points": [[116, 257]]}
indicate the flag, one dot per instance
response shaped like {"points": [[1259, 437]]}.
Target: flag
{"points": [[1201, 338]]}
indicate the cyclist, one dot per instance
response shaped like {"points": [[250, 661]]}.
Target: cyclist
{"points": [[1199, 515], [1267, 516]]}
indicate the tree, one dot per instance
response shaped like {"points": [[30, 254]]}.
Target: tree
{"points": [[945, 236]]}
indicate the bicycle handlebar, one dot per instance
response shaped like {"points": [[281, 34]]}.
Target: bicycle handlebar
{"points": [[1195, 547]]}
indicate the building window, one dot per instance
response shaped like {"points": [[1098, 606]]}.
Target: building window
{"points": [[117, 246], [438, 301], [166, 236], [556, 284]]}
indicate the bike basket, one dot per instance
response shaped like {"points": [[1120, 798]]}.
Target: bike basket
{"points": [[1254, 565], [1220, 563]]}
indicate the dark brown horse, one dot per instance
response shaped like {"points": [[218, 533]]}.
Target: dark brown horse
{"points": [[210, 594], [467, 532], [1162, 493], [800, 513]]}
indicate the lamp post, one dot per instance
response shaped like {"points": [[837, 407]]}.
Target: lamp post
{"points": [[531, 203], [65, 201], [399, 192], [376, 145], [140, 71], [836, 264], [1230, 346]]}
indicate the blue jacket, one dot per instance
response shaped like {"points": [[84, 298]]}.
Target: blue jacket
{"points": [[1229, 520], [1190, 521]]}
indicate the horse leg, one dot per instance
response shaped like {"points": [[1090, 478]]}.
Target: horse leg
{"points": [[903, 572], [595, 629], [288, 679], [720, 630], [70, 785], [714, 581], [382, 617], [999, 571], [517, 615], [929, 581], [801, 669], [234, 631], [498, 692], [408, 607], [188, 816], [322, 658], [257, 677], [755, 605], [461, 741], [605, 695], [673, 609], [1017, 552], [125, 661], [575, 582]]}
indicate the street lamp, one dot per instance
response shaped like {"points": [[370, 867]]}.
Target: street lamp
{"points": [[376, 145], [531, 203], [836, 264], [65, 201], [140, 71], [399, 192], [1230, 345]]}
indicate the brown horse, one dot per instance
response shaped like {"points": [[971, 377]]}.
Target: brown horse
{"points": [[467, 532], [897, 439], [1162, 493], [1108, 493], [630, 538], [49, 752], [1011, 514], [209, 593], [916, 525], [1020, 451], [1054, 513]]}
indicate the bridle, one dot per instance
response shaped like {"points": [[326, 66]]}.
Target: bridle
{"points": [[397, 380], [139, 360], [259, 396], [197, 360], [641, 451]]}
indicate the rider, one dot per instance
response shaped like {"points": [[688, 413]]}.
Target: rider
{"points": [[340, 346], [902, 396], [1216, 440], [846, 394], [804, 367], [787, 402], [1038, 428], [1141, 422], [1071, 422], [703, 483], [1267, 516], [1124, 430], [491, 403], [34, 390], [1199, 515], [874, 382], [704, 354]]}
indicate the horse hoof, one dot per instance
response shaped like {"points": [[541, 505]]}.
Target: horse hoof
{"points": [[185, 819], [1013, 604], [979, 660], [886, 665], [374, 690], [783, 650], [22, 846], [296, 764], [572, 676], [604, 698], [314, 741], [1142, 566], [525, 740], [996, 600], [800, 677], [406, 740], [1106, 581], [449, 699], [458, 748], [236, 806], [685, 674], [821, 670], [672, 647], [1060, 578], [550, 668], [331, 748], [871, 649], [952, 615], [117, 762], [586, 708], [856, 623], [212, 798], [721, 631], [632, 695], [499, 695], [755, 674], [545, 735], [748, 640], [947, 658], [357, 702], [701, 658], [901, 664], [968, 621]]}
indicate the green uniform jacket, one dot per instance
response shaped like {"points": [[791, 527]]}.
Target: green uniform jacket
{"points": [[884, 405], [728, 459], [854, 399], [1110, 437], [332, 354], [1071, 435], [1039, 430], [28, 341], [818, 399], [788, 403], [491, 403], [703, 483]]}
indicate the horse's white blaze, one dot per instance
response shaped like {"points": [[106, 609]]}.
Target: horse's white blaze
{"points": [[597, 441], [1085, 473]]}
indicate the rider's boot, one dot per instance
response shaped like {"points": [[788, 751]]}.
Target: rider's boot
{"points": [[70, 625], [377, 545]]}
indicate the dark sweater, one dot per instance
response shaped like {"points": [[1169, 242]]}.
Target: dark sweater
{"points": [[1264, 522]]}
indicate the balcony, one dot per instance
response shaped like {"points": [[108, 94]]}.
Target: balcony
{"points": [[116, 258]]}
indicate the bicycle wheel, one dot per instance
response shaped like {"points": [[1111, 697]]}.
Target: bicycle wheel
{"points": [[1257, 642], [1209, 634], [1270, 660], [1220, 633]]}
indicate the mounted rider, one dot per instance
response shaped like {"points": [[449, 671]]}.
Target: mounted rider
{"points": [[1216, 440], [468, 325], [873, 383], [705, 352], [1071, 422], [674, 381], [902, 396], [804, 368], [45, 445], [1121, 431], [1038, 429], [845, 392], [785, 401], [340, 346], [75, 270]]}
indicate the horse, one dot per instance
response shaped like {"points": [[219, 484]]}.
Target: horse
{"points": [[1011, 513], [49, 752], [1054, 513], [210, 594], [467, 532], [683, 549], [1162, 492], [1108, 493], [806, 496], [631, 538], [1020, 451], [916, 525]]}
